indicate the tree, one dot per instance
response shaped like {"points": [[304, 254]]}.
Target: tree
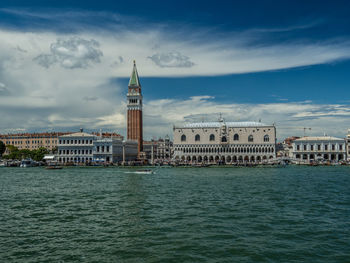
{"points": [[2, 148]]}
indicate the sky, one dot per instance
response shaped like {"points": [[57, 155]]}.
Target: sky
{"points": [[65, 65]]}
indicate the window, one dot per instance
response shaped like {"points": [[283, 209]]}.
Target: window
{"points": [[250, 138], [266, 138], [224, 139], [183, 138], [107, 149], [236, 137], [298, 147], [318, 147], [212, 137], [333, 147], [312, 147], [326, 147], [197, 138], [340, 147], [304, 147]]}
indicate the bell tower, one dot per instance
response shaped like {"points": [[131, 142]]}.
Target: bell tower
{"points": [[134, 105]]}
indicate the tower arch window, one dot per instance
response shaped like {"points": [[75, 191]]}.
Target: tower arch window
{"points": [[212, 137], [266, 138], [250, 138], [197, 138], [236, 137], [183, 138], [224, 139]]}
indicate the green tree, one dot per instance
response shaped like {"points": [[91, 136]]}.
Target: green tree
{"points": [[38, 155], [2, 148]]}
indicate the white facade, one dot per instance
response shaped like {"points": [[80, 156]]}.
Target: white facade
{"points": [[229, 142], [76, 147], [85, 148], [113, 149], [322, 148]]}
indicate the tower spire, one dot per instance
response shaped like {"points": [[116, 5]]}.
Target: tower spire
{"points": [[134, 78], [134, 116]]}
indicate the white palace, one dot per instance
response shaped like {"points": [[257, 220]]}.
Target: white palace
{"points": [[227, 142]]}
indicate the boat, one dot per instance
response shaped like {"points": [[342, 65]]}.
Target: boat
{"points": [[27, 163]]}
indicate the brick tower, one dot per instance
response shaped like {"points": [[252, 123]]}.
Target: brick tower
{"points": [[134, 116]]}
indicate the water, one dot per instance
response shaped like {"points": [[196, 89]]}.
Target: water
{"points": [[294, 214]]}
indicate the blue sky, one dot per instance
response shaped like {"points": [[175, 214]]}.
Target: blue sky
{"points": [[65, 65]]}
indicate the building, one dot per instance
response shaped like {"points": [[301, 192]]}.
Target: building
{"points": [[76, 147], [134, 110], [32, 141], [164, 149], [83, 147], [229, 142], [322, 148], [158, 151], [287, 146], [114, 150]]}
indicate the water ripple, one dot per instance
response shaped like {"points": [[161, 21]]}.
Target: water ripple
{"points": [[296, 214]]}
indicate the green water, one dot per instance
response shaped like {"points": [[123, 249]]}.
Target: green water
{"points": [[293, 214]]}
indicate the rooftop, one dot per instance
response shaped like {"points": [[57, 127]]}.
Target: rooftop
{"points": [[218, 124], [319, 138], [79, 134]]}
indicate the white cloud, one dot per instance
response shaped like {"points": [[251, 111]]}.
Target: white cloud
{"points": [[171, 60], [71, 53]]}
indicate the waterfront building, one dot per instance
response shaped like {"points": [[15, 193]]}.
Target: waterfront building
{"points": [[114, 150], [228, 142], [288, 147], [164, 149], [157, 151], [321, 148], [134, 109], [76, 147], [32, 141], [82, 147]]}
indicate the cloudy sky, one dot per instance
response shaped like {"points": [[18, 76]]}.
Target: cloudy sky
{"points": [[65, 66]]}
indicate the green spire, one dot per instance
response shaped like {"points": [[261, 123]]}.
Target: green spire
{"points": [[134, 79]]}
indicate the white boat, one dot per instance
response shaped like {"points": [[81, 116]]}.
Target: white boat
{"points": [[27, 163]]}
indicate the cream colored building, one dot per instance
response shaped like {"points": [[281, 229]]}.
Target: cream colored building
{"points": [[32, 141], [321, 148], [228, 142]]}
